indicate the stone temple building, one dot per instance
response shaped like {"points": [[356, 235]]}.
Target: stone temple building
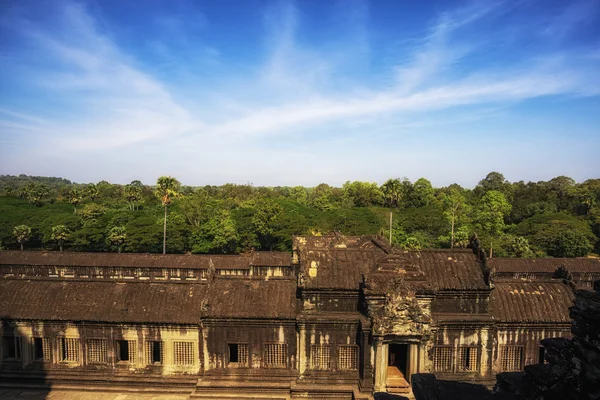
{"points": [[339, 318]]}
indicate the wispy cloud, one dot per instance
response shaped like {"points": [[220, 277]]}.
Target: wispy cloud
{"points": [[422, 84], [105, 96], [115, 103]]}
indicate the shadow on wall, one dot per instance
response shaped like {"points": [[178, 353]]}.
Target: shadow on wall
{"points": [[571, 370], [389, 396], [24, 355], [428, 387]]}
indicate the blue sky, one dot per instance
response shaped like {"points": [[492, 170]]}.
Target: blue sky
{"points": [[299, 93]]}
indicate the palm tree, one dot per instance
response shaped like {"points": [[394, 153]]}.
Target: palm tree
{"points": [[392, 190], [117, 236], [22, 233], [60, 234], [167, 188], [133, 194], [91, 190], [75, 198]]}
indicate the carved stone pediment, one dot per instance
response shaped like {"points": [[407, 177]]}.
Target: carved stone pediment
{"points": [[400, 313]]}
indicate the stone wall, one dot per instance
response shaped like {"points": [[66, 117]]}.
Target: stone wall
{"points": [[571, 371]]}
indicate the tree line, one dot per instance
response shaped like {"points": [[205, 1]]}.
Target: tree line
{"points": [[559, 217]]}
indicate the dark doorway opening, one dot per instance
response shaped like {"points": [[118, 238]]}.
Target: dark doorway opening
{"points": [[123, 350], [398, 357], [233, 353]]}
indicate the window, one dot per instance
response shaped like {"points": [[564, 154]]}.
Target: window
{"points": [[468, 359], [319, 356], [96, 351], [238, 354], [184, 353], [512, 358], [11, 347], [40, 349], [442, 359], [154, 353], [542, 355], [348, 358], [126, 351], [68, 350], [275, 355]]}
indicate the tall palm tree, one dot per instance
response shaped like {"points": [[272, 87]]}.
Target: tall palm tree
{"points": [[133, 194], [91, 191], [22, 233], [167, 188], [117, 236], [75, 198], [392, 190], [60, 233]]}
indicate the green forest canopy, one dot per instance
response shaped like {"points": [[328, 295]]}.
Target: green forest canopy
{"points": [[559, 218]]}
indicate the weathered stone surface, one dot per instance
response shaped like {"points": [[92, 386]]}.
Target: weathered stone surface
{"points": [[572, 369]]}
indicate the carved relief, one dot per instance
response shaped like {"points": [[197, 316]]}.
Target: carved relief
{"points": [[401, 313]]}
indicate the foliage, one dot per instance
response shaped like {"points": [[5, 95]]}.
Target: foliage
{"points": [[75, 197], [265, 220], [133, 194], [217, 235], [421, 194], [36, 192], [558, 217], [490, 213], [562, 240], [91, 191], [167, 188], [60, 234], [117, 236], [455, 208], [392, 192], [518, 246], [91, 212], [363, 194], [22, 233]]}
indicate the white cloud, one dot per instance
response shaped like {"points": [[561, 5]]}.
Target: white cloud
{"points": [[299, 90], [116, 104]]}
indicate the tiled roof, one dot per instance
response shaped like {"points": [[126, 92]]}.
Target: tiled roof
{"points": [[338, 269], [450, 269], [544, 265], [271, 259], [146, 302], [242, 261], [343, 268], [531, 302], [141, 302], [252, 298]]}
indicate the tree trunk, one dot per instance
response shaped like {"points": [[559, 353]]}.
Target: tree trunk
{"points": [[60, 245], [165, 232], [21, 246], [452, 234]]}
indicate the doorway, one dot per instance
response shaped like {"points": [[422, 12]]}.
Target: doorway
{"points": [[398, 357], [397, 369]]}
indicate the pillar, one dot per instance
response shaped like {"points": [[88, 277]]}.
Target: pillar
{"points": [[302, 354], [381, 363], [413, 360]]}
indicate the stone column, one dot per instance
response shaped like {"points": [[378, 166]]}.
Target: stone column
{"points": [[413, 360], [381, 361], [368, 359], [302, 356], [485, 349]]}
